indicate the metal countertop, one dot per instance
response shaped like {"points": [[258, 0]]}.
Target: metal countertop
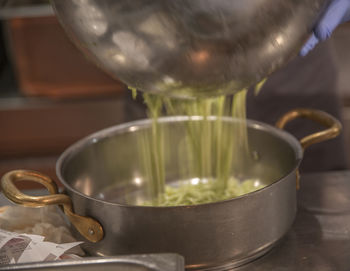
{"points": [[320, 237]]}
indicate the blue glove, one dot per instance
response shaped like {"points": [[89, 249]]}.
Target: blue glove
{"points": [[338, 12]]}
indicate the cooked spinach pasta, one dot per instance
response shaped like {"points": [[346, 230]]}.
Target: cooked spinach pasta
{"points": [[212, 156]]}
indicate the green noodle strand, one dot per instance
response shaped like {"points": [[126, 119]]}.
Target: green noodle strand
{"points": [[212, 147]]}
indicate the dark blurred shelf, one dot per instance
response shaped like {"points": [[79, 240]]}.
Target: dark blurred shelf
{"points": [[36, 126], [35, 131], [8, 84], [24, 8]]}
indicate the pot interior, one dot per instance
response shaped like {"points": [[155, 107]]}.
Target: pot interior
{"points": [[108, 165]]}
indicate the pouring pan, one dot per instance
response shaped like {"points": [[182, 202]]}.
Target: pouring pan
{"points": [[189, 48], [98, 171]]}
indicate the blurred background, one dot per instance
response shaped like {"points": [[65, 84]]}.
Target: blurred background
{"points": [[51, 96]]}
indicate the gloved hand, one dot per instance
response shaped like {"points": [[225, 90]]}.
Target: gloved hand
{"points": [[338, 12]]}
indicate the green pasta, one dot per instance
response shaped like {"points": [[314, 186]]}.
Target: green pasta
{"points": [[259, 86], [133, 92], [201, 193], [212, 156]]}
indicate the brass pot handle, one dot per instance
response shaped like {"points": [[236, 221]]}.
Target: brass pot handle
{"points": [[333, 125], [87, 227]]}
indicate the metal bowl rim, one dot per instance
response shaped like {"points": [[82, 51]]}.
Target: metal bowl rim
{"points": [[125, 127]]}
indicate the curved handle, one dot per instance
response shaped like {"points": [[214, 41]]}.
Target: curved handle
{"points": [[332, 124], [87, 227]]}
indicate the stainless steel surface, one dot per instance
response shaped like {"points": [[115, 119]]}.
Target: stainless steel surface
{"points": [[191, 47], [320, 236], [155, 262], [225, 234]]}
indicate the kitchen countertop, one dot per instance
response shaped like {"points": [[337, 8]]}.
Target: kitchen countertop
{"points": [[320, 237]]}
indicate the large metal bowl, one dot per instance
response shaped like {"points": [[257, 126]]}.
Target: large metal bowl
{"points": [[100, 171], [189, 48]]}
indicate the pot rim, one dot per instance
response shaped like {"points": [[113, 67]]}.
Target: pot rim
{"points": [[139, 124]]}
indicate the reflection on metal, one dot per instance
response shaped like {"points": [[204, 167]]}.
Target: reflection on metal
{"points": [[92, 18], [134, 50], [138, 181], [208, 47]]}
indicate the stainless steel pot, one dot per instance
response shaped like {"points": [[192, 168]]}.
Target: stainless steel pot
{"points": [[98, 171], [189, 48]]}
